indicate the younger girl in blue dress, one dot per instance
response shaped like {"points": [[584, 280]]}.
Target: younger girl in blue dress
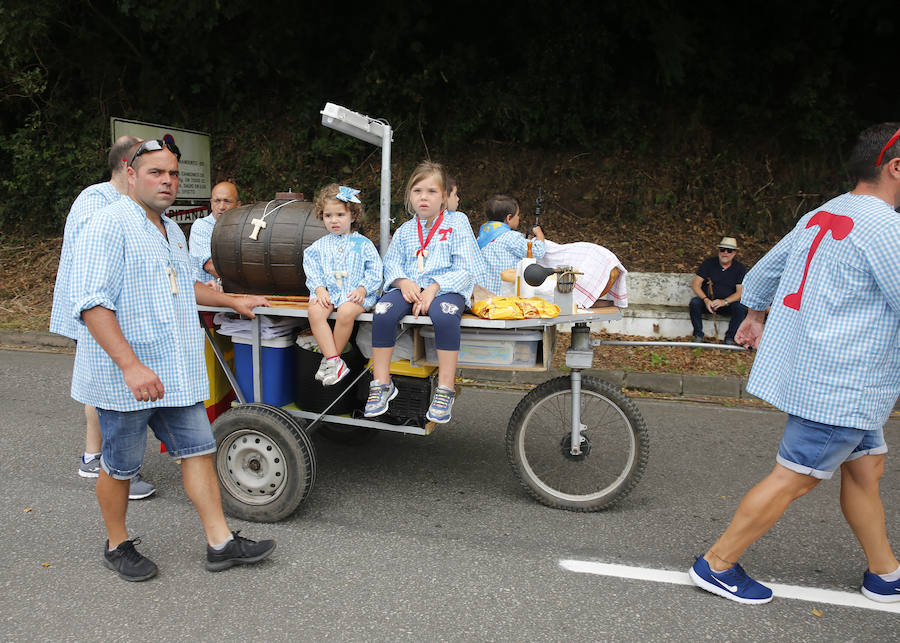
{"points": [[428, 270], [343, 271]]}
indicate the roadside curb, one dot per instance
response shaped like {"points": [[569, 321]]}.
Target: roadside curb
{"points": [[675, 384], [666, 383], [34, 339]]}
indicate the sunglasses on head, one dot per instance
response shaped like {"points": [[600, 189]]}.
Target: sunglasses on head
{"points": [[155, 145], [727, 250]]}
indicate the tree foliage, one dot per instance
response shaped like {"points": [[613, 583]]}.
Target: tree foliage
{"points": [[659, 78]]}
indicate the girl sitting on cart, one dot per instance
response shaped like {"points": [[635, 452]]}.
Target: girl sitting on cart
{"points": [[428, 270], [343, 271]]}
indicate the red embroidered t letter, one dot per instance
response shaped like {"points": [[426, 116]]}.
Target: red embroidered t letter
{"points": [[839, 226]]}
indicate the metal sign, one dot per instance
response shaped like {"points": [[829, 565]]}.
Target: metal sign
{"points": [[186, 213], [195, 184]]}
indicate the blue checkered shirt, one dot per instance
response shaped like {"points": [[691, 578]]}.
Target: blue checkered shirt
{"points": [[505, 252], [201, 246], [120, 263], [91, 200], [836, 360], [453, 256], [351, 253]]}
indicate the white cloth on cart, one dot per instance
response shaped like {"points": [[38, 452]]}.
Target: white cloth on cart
{"points": [[269, 327], [595, 262]]}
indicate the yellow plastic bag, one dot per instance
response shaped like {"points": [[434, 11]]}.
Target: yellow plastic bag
{"points": [[497, 308], [514, 308], [537, 307]]}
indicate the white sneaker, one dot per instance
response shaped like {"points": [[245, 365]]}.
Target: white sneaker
{"points": [[321, 372], [335, 370]]}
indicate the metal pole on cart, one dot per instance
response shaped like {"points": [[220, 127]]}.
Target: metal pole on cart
{"points": [[579, 356], [377, 132]]}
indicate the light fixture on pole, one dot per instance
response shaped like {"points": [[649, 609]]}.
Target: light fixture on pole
{"points": [[376, 132]]}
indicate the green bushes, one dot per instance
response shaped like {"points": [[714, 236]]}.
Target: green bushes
{"points": [[728, 108]]}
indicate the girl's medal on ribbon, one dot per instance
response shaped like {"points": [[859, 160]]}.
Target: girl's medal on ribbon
{"points": [[422, 251]]}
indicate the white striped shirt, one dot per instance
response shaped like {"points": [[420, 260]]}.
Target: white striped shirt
{"points": [[453, 256], [91, 200], [201, 246], [350, 253], [836, 359], [120, 263], [505, 252]]}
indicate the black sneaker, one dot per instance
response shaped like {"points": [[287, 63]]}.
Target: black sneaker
{"points": [[128, 562], [239, 551]]}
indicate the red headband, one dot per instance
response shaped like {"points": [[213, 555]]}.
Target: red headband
{"points": [[884, 149]]}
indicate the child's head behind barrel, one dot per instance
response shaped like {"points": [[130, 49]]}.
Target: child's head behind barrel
{"points": [[335, 195]]}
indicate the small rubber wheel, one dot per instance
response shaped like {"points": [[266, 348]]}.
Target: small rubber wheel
{"points": [[265, 462]]}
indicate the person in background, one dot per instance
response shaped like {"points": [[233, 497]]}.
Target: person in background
{"points": [[501, 243], [829, 358], [141, 360], [224, 197], [717, 289], [452, 194], [343, 272], [91, 200]]}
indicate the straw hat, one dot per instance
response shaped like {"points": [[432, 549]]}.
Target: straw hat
{"points": [[728, 242]]}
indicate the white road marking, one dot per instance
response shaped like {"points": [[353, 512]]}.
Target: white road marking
{"points": [[813, 594]]}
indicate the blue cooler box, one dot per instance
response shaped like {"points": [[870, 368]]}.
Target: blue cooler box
{"points": [[277, 369]]}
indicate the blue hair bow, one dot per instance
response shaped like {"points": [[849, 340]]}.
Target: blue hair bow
{"points": [[347, 195]]}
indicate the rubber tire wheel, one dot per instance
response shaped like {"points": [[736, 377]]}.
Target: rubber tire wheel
{"points": [[348, 435], [265, 462], [543, 416]]}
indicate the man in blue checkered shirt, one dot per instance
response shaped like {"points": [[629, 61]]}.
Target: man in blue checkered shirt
{"points": [[141, 363], [830, 359], [223, 198]]}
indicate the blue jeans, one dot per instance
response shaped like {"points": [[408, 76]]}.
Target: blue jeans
{"points": [[445, 312], [737, 311], [184, 430], [817, 450]]}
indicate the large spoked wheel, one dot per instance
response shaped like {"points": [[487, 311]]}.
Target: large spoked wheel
{"points": [[265, 462], [614, 448]]}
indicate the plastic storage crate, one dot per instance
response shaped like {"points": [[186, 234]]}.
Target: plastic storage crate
{"points": [[485, 347]]}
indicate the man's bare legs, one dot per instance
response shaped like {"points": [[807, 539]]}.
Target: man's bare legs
{"points": [[202, 487], [93, 440], [757, 512], [112, 494], [864, 512]]}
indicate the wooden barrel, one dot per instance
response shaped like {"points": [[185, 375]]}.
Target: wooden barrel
{"points": [[271, 264]]}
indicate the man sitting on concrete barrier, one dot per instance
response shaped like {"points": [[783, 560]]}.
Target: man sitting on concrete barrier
{"points": [[717, 286]]}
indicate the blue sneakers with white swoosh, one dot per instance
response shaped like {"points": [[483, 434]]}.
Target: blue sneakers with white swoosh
{"points": [[880, 590], [733, 583]]}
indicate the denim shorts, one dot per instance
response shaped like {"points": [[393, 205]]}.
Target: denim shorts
{"points": [[184, 430], [817, 449]]}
